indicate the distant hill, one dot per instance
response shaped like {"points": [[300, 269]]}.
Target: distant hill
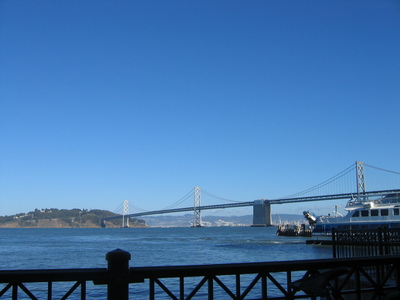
{"points": [[187, 220], [77, 218], [64, 218]]}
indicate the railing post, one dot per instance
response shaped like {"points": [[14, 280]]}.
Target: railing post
{"points": [[118, 269], [380, 240], [334, 254]]}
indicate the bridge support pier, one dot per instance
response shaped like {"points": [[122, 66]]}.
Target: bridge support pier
{"points": [[262, 213]]}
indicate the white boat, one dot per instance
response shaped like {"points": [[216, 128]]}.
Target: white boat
{"points": [[362, 213]]}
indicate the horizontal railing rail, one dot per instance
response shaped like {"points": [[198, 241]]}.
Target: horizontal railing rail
{"points": [[52, 275], [16, 280], [266, 280], [270, 284]]}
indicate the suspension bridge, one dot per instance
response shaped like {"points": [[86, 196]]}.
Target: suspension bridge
{"points": [[335, 188]]}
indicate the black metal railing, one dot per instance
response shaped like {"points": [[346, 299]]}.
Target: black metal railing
{"points": [[267, 280], [365, 242]]}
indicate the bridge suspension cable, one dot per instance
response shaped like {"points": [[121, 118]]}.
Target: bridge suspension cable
{"points": [[137, 208], [379, 178], [380, 169], [123, 206], [218, 197], [324, 183], [180, 201], [118, 210]]}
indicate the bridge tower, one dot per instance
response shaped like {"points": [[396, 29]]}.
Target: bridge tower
{"points": [[125, 211], [197, 208], [360, 178]]}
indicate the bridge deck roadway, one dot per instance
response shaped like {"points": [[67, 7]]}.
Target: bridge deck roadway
{"points": [[273, 201]]}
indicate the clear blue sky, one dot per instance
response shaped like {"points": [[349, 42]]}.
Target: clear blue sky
{"points": [[105, 101]]}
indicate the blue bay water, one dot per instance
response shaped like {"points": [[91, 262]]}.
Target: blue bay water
{"points": [[86, 248]]}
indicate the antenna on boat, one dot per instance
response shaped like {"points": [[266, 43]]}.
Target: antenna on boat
{"points": [[336, 212]]}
